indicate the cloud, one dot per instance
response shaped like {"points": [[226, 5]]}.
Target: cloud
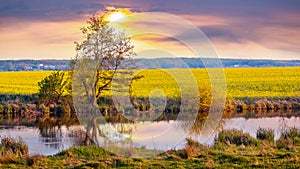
{"points": [[237, 28], [34, 39], [54, 10]]}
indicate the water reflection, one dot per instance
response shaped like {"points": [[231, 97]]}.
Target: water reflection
{"points": [[50, 135], [251, 125], [39, 143], [144, 134]]}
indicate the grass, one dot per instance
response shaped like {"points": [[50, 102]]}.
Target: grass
{"points": [[236, 137], [265, 134], [194, 155], [241, 82]]}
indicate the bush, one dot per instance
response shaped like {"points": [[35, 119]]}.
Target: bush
{"points": [[265, 134], [10, 147], [205, 98], [191, 149], [284, 143], [288, 139], [1, 108], [53, 87], [293, 134], [63, 109], [236, 137]]}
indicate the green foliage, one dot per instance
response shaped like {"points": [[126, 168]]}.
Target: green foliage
{"points": [[1, 108], [285, 143], [84, 151], [194, 155], [63, 109], [105, 48], [288, 139], [265, 134], [53, 87], [236, 137], [205, 98], [10, 147]]}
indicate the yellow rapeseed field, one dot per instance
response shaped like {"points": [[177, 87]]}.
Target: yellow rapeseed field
{"points": [[241, 82], [21, 82]]}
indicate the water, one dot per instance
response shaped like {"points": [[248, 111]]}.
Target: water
{"points": [[50, 141], [38, 142], [277, 124]]}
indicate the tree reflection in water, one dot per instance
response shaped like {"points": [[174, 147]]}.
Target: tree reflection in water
{"points": [[97, 128]]}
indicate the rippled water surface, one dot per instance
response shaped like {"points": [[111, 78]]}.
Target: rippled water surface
{"points": [[51, 141]]}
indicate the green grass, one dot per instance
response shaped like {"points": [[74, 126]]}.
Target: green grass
{"points": [[194, 155], [241, 82]]}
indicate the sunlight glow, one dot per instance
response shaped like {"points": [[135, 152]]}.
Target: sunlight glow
{"points": [[116, 17]]}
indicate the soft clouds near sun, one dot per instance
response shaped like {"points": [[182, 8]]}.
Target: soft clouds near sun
{"points": [[117, 14], [256, 29]]}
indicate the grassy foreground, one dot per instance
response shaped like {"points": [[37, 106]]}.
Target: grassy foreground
{"points": [[232, 149], [241, 82]]}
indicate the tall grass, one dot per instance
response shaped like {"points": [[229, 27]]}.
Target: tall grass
{"points": [[12, 151], [265, 134]]}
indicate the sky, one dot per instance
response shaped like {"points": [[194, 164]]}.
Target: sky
{"points": [[257, 29]]}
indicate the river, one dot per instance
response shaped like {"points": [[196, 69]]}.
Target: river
{"points": [[50, 141]]}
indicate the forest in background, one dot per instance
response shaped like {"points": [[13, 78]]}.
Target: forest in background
{"points": [[31, 65]]}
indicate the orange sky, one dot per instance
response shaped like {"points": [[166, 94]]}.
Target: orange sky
{"points": [[46, 31]]}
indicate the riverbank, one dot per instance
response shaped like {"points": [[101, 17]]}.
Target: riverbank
{"points": [[28, 106], [232, 149]]}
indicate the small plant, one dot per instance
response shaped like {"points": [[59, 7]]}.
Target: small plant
{"points": [[288, 139], [265, 134], [284, 143], [236, 137], [1, 108], [191, 149], [10, 147]]}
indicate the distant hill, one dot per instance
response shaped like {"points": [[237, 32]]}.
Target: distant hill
{"points": [[197, 63], [31, 65]]}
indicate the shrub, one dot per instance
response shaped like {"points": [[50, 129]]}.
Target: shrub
{"points": [[284, 143], [191, 149], [182, 154], [53, 87], [236, 137], [205, 98], [265, 134], [288, 139], [63, 109], [293, 134], [1, 108], [11, 147]]}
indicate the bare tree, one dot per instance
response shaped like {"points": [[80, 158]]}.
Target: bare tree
{"points": [[103, 50]]}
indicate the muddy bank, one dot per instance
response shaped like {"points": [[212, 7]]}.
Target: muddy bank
{"points": [[29, 107]]}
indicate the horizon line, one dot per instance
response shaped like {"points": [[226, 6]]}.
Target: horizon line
{"points": [[160, 58]]}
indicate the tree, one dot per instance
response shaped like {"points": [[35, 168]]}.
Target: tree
{"points": [[107, 50], [53, 87], [100, 56]]}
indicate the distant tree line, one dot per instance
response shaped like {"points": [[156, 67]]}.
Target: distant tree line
{"points": [[20, 65], [30, 65]]}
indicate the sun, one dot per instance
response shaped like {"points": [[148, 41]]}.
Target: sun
{"points": [[116, 17]]}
